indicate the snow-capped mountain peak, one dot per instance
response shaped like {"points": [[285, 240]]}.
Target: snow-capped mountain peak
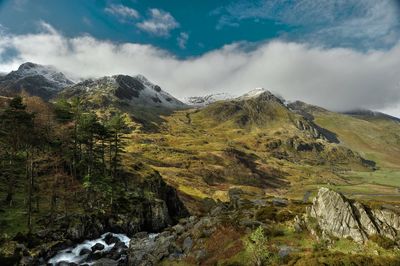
{"points": [[34, 79], [136, 90], [50, 73], [254, 93]]}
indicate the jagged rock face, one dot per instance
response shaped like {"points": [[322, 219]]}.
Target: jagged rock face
{"points": [[338, 216], [36, 80]]}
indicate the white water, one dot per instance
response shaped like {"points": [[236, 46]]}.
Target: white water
{"points": [[72, 254]]}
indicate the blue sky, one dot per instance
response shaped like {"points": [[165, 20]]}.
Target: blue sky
{"points": [[194, 22], [339, 54], [190, 28]]}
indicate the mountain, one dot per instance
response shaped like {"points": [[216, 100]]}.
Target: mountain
{"points": [[376, 136], [201, 101], [254, 141], [237, 164], [123, 89], [36, 80], [371, 115]]}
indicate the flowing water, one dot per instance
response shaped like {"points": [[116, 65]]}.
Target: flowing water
{"points": [[71, 255]]}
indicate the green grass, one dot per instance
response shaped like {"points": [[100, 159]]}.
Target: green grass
{"points": [[386, 177]]}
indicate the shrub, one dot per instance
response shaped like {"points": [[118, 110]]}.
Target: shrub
{"points": [[284, 216], [383, 241], [256, 245], [266, 213]]}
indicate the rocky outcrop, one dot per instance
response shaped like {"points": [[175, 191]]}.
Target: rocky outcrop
{"points": [[189, 239], [173, 243], [334, 215]]}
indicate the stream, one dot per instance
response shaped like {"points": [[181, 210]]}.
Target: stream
{"points": [[74, 255]]}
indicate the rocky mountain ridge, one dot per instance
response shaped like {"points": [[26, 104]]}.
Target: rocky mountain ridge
{"points": [[136, 91]]}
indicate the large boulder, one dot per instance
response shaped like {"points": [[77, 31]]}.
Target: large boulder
{"points": [[337, 216]]}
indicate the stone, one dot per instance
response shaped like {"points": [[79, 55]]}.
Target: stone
{"points": [[200, 255], [95, 256], [299, 224], [187, 244], [140, 235], [337, 216], [216, 211], [84, 251], [234, 197], [279, 202], [111, 239], [150, 250], [76, 232], [284, 251], [97, 246], [120, 245], [179, 229], [176, 256], [208, 204]]}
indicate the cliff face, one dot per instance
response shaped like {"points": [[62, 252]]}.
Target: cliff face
{"points": [[338, 216]]}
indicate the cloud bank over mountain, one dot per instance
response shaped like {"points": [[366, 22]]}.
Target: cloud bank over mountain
{"points": [[335, 78]]}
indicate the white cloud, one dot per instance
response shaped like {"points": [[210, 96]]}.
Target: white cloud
{"points": [[338, 79], [182, 39], [122, 12], [368, 23], [160, 23]]}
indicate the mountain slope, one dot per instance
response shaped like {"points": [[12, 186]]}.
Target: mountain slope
{"points": [[253, 141], [34, 79], [375, 136], [136, 91], [144, 101]]}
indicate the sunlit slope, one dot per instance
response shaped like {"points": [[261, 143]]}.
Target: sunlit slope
{"points": [[376, 138], [252, 142]]}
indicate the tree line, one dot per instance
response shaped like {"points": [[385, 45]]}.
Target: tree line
{"points": [[59, 153]]}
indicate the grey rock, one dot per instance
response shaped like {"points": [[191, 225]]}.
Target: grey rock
{"points": [[285, 251], [234, 197], [176, 256], [179, 229], [97, 246], [148, 251], [200, 255], [187, 244], [280, 202], [141, 235], [84, 251], [337, 216]]}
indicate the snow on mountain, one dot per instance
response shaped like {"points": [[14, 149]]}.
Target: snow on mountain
{"points": [[55, 78], [200, 101], [261, 93], [155, 92], [34, 79], [135, 90], [253, 93]]}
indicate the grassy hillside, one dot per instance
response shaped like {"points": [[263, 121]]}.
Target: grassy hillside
{"points": [[376, 139], [257, 144]]}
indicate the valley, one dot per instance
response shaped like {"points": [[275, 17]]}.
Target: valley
{"points": [[119, 154]]}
